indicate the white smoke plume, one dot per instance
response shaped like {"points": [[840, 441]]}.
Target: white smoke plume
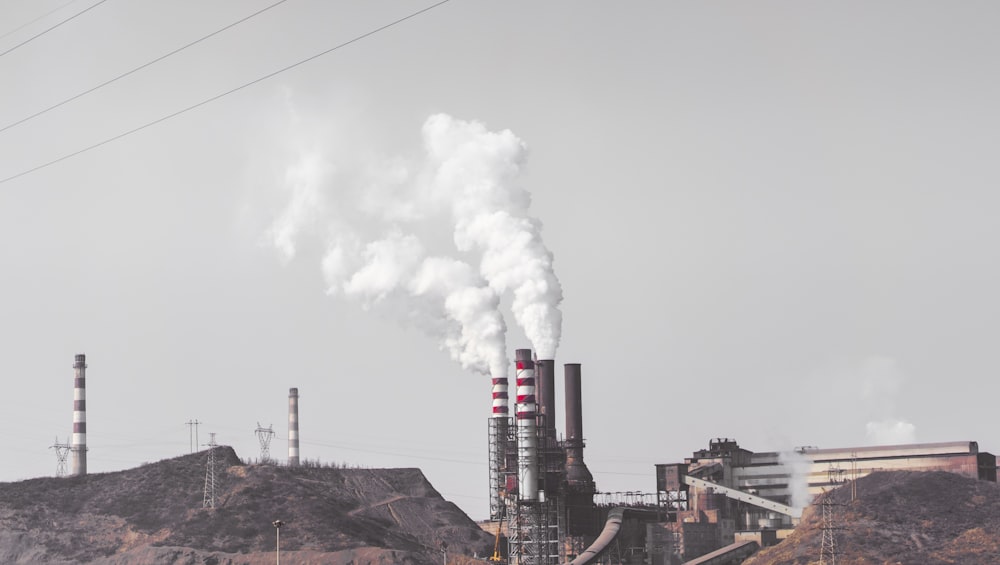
{"points": [[466, 184], [881, 384], [442, 296], [475, 171], [303, 181], [798, 466]]}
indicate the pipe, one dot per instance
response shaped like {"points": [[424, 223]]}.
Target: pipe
{"points": [[577, 473], [527, 440], [79, 446], [611, 529], [293, 427]]}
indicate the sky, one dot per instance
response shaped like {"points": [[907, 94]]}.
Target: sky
{"points": [[769, 221]]}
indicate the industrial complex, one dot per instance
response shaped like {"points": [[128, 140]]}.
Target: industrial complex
{"points": [[717, 506]]}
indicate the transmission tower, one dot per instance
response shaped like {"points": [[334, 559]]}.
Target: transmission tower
{"points": [[264, 435], [208, 501], [828, 546], [62, 452]]}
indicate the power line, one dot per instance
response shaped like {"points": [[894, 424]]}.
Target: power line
{"points": [[36, 36], [45, 15], [226, 93], [140, 67]]}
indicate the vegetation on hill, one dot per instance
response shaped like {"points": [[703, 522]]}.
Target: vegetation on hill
{"points": [[154, 514], [900, 517]]}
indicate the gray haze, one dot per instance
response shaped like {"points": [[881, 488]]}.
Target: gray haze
{"points": [[774, 221]]}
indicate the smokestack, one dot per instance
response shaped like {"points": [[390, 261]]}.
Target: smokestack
{"points": [[501, 404], [79, 446], [546, 393], [577, 473], [293, 427], [527, 439]]}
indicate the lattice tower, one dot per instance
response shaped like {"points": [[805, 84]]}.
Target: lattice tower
{"points": [[264, 435], [208, 501], [62, 454]]}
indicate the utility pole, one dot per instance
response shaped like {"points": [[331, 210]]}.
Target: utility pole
{"points": [[277, 540], [208, 501], [192, 433], [854, 476], [264, 435], [62, 452]]}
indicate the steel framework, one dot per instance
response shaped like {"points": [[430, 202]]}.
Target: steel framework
{"points": [[208, 500], [62, 454]]}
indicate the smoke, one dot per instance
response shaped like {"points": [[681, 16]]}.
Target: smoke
{"points": [[881, 384], [798, 466], [379, 221], [474, 170], [305, 203], [891, 432]]}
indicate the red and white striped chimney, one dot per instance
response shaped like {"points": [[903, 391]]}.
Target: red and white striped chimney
{"points": [[79, 445], [527, 436], [501, 404], [293, 427]]}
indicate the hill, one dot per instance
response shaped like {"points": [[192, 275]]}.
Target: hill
{"points": [[153, 514], [900, 517]]}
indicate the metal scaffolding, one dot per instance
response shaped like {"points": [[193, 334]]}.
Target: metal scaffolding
{"points": [[534, 525], [502, 452]]}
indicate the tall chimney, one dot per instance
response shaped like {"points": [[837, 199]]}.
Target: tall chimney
{"points": [[577, 473], [79, 446], [527, 439], [293, 427], [501, 404], [546, 392]]}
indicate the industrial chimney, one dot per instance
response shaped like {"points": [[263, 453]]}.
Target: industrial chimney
{"points": [[577, 474], [293, 427], [527, 439], [79, 445], [581, 515], [545, 370]]}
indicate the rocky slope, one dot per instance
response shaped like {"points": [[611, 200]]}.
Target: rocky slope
{"points": [[906, 518], [154, 514]]}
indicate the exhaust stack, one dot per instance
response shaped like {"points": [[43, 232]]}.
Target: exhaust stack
{"points": [[293, 427], [79, 446], [501, 406], [546, 392], [577, 474], [527, 439]]}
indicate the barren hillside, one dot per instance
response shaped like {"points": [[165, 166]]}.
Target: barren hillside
{"points": [[154, 514], [906, 518]]}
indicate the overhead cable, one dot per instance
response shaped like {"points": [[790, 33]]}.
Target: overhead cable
{"points": [[139, 68], [226, 93], [45, 15], [36, 36]]}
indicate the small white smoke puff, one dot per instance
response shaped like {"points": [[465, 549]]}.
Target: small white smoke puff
{"points": [[881, 383], [891, 432]]}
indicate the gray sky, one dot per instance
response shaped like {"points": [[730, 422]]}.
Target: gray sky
{"points": [[773, 221]]}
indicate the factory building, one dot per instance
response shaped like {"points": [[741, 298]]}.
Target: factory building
{"points": [[726, 495], [718, 505]]}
